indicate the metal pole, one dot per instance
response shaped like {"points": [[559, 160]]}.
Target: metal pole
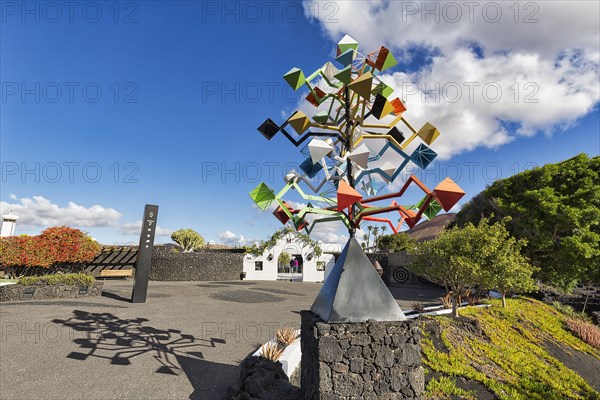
{"points": [[348, 144]]}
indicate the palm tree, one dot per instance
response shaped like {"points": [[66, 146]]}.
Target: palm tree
{"points": [[383, 229], [370, 229], [375, 239]]}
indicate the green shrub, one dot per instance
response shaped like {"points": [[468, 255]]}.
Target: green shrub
{"points": [[189, 239], [58, 279], [570, 311], [257, 249]]}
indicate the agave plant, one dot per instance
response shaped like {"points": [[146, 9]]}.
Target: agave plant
{"points": [[286, 335], [271, 351]]}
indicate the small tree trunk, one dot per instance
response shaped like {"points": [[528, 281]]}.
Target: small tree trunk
{"points": [[503, 300], [454, 306], [586, 300]]}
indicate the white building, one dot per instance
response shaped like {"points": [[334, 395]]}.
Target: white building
{"points": [[9, 222], [310, 268]]}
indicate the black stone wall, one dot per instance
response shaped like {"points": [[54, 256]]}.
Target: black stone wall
{"points": [[383, 261], [399, 258], [370, 360], [202, 266], [44, 292], [395, 269]]}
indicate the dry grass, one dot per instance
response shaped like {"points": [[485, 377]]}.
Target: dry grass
{"points": [[418, 307], [472, 297], [447, 301], [585, 331], [271, 351], [286, 335]]}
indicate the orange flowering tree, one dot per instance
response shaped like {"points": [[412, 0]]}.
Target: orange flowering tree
{"points": [[54, 246]]}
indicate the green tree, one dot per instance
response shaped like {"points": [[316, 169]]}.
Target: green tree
{"points": [[396, 242], [189, 239], [556, 209], [369, 229], [284, 258], [483, 255], [375, 238], [383, 229], [504, 268], [452, 260]]}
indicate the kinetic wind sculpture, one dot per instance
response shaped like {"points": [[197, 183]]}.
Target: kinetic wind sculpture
{"points": [[354, 144]]}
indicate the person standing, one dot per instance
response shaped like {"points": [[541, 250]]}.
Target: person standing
{"points": [[296, 264]]}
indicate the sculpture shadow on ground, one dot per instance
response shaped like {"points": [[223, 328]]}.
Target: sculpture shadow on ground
{"points": [[115, 296], [120, 341]]}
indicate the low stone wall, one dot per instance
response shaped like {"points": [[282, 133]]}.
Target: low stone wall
{"points": [[371, 360], [202, 266], [47, 292]]}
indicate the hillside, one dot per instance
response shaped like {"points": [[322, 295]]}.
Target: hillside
{"points": [[556, 208], [522, 351]]}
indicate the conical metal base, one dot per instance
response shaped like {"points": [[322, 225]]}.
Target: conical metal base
{"points": [[354, 292]]}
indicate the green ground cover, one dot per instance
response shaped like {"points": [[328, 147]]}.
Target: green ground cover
{"points": [[506, 353]]}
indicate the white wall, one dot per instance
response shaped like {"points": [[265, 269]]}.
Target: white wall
{"points": [[310, 273], [269, 272]]}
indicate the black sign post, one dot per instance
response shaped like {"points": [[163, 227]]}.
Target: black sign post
{"points": [[144, 256]]}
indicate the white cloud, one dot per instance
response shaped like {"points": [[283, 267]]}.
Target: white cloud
{"points": [[547, 71], [232, 239], [269, 209], [41, 212], [336, 232], [478, 97], [134, 228], [546, 28], [330, 232], [296, 205], [12, 196]]}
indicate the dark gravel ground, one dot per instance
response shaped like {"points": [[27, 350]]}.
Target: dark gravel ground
{"points": [[186, 342], [584, 364]]}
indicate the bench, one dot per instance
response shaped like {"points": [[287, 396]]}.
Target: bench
{"points": [[116, 273]]}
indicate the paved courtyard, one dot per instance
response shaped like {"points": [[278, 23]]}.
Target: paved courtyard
{"points": [[185, 343]]}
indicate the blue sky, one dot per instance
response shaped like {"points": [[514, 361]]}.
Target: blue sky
{"points": [[105, 108]]}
